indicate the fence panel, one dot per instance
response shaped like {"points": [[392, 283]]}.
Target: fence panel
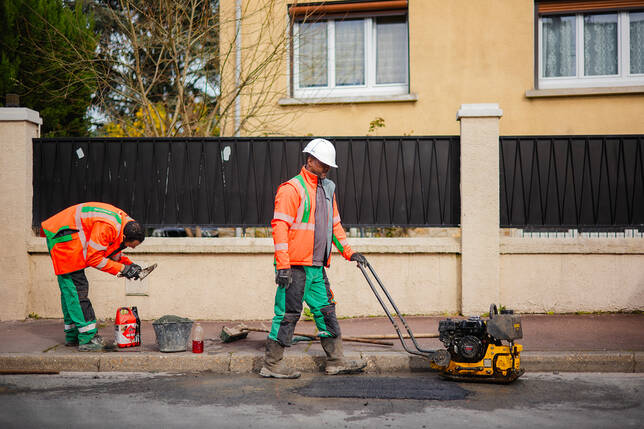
{"points": [[382, 181], [583, 182]]}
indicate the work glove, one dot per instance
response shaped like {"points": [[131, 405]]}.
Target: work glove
{"points": [[359, 258], [283, 278], [131, 271]]}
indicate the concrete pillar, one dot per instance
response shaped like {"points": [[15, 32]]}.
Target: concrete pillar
{"points": [[479, 206], [18, 126]]}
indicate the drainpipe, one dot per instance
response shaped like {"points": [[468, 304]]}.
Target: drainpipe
{"points": [[238, 17]]}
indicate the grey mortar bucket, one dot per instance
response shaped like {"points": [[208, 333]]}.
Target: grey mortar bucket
{"points": [[172, 332]]}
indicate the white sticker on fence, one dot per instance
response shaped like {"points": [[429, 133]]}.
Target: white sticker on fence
{"points": [[225, 154], [80, 153]]}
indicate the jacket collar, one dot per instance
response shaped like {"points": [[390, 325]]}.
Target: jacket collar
{"points": [[309, 177]]}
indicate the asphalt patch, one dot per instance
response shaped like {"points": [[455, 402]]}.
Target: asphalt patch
{"points": [[383, 388]]}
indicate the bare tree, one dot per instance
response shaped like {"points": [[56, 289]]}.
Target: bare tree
{"points": [[254, 47], [178, 67]]}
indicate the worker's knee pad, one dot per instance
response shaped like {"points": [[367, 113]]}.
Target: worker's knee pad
{"points": [[290, 318], [331, 320], [286, 329]]}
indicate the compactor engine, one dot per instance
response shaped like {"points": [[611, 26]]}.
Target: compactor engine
{"points": [[474, 348]]}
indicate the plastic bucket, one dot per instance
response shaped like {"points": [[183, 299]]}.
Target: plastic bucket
{"points": [[172, 333]]}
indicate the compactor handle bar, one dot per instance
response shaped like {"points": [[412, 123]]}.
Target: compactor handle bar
{"points": [[419, 351]]}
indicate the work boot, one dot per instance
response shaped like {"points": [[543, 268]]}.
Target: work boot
{"points": [[96, 344], [335, 361], [273, 363], [71, 343]]}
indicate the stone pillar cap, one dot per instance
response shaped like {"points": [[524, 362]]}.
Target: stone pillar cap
{"points": [[12, 114], [480, 110]]}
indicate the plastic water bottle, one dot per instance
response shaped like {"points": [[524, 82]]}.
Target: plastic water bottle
{"points": [[197, 339]]}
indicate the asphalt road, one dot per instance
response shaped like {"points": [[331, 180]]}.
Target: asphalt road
{"points": [[114, 400]]}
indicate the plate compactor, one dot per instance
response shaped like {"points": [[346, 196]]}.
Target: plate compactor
{"points": [[474, 349]]}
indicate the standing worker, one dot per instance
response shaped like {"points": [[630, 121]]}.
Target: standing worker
{"points": [[88, 235], [305, 223]]}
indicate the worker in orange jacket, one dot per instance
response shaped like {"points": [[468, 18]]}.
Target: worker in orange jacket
{"points": [[88, 235], [305, 224]]}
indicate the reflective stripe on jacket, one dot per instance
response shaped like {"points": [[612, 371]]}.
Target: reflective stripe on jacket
{"points": [[87, 235], [294, 221]]}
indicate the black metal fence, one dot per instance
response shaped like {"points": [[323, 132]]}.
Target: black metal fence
{"points": [[584, 182], [382, 181]]}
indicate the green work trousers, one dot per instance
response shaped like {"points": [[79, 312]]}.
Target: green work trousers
{"points": [[80, 320], [311, 285], [78, 313]]}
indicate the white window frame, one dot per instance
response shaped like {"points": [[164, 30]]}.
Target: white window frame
{"points": [[369, 88], [623, 76]]}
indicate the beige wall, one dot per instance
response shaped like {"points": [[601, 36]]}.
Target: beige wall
{"points": [[565, 283], [206, 278], [461, 51], [572, 274], [17, 127]]}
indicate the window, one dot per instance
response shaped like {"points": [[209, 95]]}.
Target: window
{"points": [[590, 48], [348, 55]]}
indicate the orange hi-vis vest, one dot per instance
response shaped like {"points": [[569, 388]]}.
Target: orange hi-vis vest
{"points": [[87, 235], [294, 222]]}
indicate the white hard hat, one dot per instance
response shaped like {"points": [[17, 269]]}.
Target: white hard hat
{"points": [[322, 150]]}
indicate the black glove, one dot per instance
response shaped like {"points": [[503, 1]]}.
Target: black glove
{"points": [[359, 258], [283, 278], [131, 271]]}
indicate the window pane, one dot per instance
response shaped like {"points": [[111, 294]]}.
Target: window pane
{"points": [[312, 54], [391, 50], [600, 44], [349, 52], [558, 46], [637, 42]]}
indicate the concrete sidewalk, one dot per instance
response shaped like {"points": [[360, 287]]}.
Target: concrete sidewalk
{"points": [[580, 343]]}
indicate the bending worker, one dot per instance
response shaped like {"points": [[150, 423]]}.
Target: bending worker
{"points": [[305, 223], [88, 235]]}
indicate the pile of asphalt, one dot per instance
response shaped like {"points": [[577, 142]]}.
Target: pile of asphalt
{"points": [[171, 318]]}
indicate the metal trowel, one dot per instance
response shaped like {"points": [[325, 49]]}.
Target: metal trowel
{"points": [[146, 271]]}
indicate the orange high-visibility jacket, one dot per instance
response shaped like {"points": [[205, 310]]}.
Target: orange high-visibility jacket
{"points": [[294, 221], [95, 241]]}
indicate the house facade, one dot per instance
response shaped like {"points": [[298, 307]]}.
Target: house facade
{"points": [[403, 67]]}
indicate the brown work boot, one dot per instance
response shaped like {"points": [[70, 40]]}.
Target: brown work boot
{"points": [[273, 363], [97, 344], [335, 361]]}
